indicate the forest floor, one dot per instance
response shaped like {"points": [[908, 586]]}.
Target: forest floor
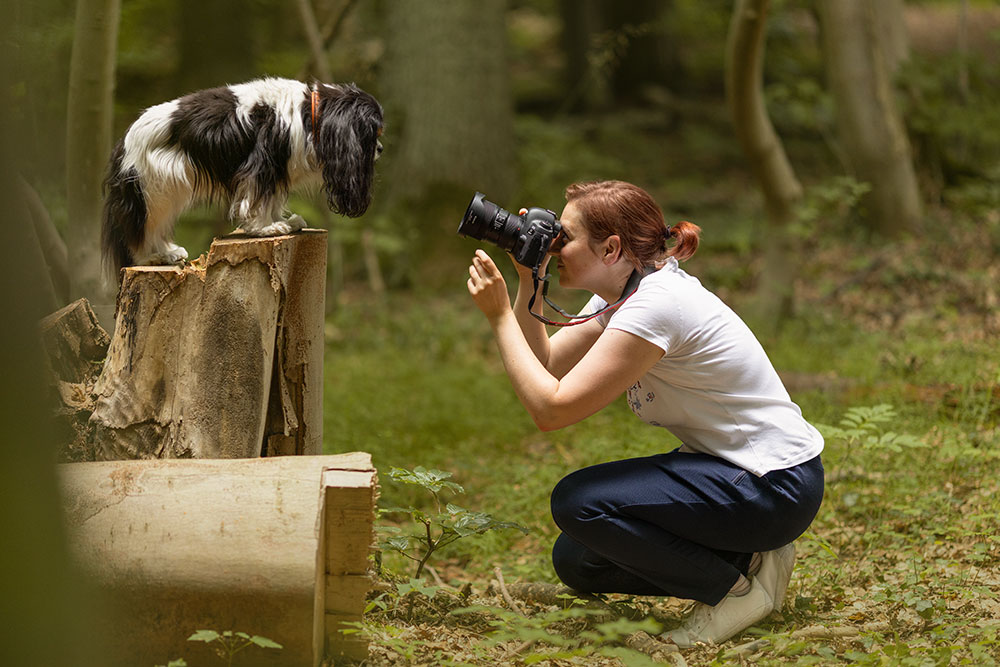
{"points": [[892, 353]]}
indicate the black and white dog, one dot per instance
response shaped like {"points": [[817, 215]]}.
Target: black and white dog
{"points": [[247, 144]]}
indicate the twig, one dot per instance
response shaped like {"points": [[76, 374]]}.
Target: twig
{"points": [[657, 650], [520, 648], [747, 649], [437, 578], [821, 632], [838, 631], [503, 590]]}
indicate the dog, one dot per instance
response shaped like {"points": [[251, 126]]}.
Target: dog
{"points": [[248, 145]]}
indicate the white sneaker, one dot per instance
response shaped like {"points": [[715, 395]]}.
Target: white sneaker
{"points": [[775, 572], [734, 614]]}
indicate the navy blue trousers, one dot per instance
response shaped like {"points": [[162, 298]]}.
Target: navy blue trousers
{"points": [[679, 524]]}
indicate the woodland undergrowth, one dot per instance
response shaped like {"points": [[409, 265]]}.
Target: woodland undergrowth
{"points": [[892, 353]]}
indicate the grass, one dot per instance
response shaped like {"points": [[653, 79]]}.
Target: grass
{"points": [[904, 553]]}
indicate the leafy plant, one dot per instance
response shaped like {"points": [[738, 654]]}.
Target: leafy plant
{"points": [[862, 427], [229, 643], [570, 633], [439, 528]]}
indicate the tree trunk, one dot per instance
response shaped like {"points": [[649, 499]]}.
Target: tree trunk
{"points": [[53, 247], [861, 61], [216, 44], [221, 360], [88, 143], [271, 547], [446, 72], [766, 156]]}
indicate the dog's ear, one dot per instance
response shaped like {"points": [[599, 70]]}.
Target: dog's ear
{"points": [[351, 121]]}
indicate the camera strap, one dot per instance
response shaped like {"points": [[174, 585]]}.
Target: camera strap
{"points": [[630, 288]]}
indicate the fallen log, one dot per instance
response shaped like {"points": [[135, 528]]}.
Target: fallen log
{"points": [[275, 547], [219, 359]]}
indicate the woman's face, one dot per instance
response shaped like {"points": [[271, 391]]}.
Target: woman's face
{"points": [[576, 259]]}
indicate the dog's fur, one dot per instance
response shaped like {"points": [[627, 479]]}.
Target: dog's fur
{"points": [[246, 144]]}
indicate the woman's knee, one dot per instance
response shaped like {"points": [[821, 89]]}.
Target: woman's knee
{"points": [[567, 561], [569, 497]]}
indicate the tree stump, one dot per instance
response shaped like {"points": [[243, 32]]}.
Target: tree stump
{"points": [[276, 547], [220, 359]]}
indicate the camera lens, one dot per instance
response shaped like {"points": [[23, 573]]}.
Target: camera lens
{"points": [[486, 221]]}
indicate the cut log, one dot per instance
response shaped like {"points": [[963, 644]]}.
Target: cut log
{"points": [[220, 359], [74, 343], [276, 547]]}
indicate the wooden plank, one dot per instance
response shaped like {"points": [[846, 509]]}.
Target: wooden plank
{"points": [[348, 533], [350, 502], [181, 545], [346, 593]]}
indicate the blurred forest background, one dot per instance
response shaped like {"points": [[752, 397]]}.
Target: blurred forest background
{"points": [[886, 113], [841, 156]]}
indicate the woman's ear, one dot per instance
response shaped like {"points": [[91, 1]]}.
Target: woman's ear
{"points": [[612, 249]]}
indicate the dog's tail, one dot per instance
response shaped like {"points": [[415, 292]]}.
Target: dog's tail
{"points": [[124, 222]]}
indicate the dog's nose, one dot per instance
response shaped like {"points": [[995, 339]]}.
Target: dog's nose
{"points": [[378, 150]]}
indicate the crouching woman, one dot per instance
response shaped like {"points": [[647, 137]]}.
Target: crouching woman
{"points": [[713, 520]]}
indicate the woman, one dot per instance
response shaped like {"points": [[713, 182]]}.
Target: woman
{"points": [[713, 520]]}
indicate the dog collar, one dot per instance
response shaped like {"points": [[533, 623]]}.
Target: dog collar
{"points": [[315, 109]]}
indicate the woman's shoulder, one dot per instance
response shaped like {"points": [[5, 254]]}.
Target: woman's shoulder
{"points": [[672, 278]]}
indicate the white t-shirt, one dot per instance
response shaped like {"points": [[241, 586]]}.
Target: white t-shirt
{"points": [[714, 388]]}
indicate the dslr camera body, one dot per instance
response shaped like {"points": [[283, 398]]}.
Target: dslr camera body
{"points": [[526, 237]]}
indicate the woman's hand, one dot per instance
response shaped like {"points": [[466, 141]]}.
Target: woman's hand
{"points": [[487, 286]]}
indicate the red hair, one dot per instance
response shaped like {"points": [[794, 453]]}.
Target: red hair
{"points": [[616, 207]]}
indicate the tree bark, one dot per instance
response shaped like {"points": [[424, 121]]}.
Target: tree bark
{"points": [[272, 547], [861, 61], [88, 142], [766, 156], [446, 72], [221, 360]]}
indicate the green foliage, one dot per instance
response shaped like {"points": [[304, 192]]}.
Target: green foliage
{"points": [[228, 643], [572, 631], [954, 128], [862, 428], [832, 199], [439, 528], [565, 634]]}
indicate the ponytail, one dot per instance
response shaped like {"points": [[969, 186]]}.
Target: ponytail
{"points": [[687, 235]]}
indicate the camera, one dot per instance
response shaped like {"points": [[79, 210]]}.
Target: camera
{"points": [[527, 237]]}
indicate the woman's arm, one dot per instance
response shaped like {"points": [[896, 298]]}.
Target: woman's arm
{"points": [[609, 367], [566, 347]]}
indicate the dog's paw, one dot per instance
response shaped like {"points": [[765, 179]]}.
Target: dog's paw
{"points": [[296, 222], [173, 255], [176, 254], [277, 228]]}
